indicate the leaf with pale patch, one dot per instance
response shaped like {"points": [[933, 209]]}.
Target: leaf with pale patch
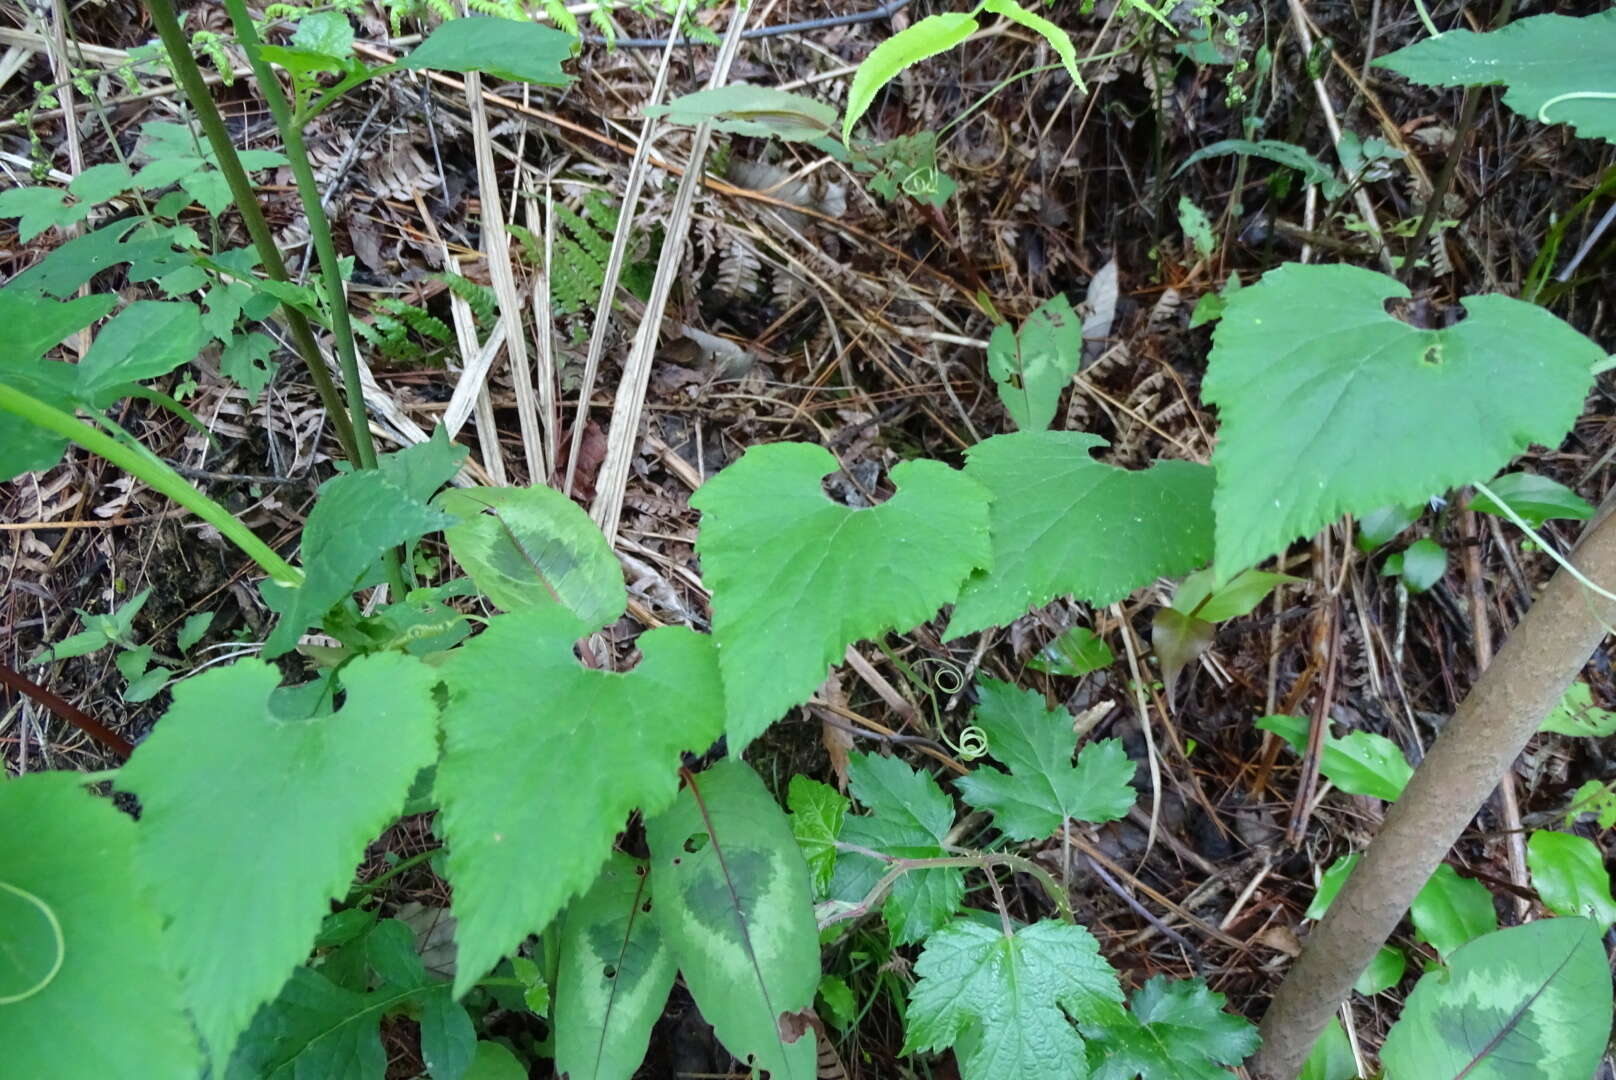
{"points": [[734, 905]]}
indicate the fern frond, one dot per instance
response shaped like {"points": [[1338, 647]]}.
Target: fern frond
{"points": [[484, 304], [422, 322], [563, 19]]}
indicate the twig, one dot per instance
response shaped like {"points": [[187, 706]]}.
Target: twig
{"points": [[67, 711]]}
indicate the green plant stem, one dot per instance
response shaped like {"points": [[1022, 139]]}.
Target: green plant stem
{"points": [[189, 76], [308, 191], [152, 472]]}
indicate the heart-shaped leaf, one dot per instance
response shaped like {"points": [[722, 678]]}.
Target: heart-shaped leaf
{"points": [[1307, 368]]}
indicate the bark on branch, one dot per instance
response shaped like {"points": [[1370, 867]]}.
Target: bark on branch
{"points": [[1502, 711]]}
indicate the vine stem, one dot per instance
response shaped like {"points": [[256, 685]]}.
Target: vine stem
{"points": [[189, 76], [138, 462], [980, 860]]}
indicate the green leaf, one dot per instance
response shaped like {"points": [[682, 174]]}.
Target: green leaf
{"points": [[1593, 797], [1005, 1003], [839, 1005], [357, 517], [614, 975], [752, 110], [1569, 875], [192, 630], [1280, 153], [1450, 910], [40, 208], [733, 904], [796, 577], [235, 758], [1578, 716], [83, 990], [1200, 596], [1304, 365], [1042, 788], [316, 1028], [1177, 639], [529, 548], [1175, 1030], [448, 1039], [1063, 522], [1198, 230], [1380, 526], [817, 812], [99, 183], [932, 35], [525, 716], [910, 818], [1331, 1057], [1058, 39], [1075, 653], [1557, 68], [1032, 367], [1534, 498], [1421, 565], [74, 263], [146, 339], [514, 51], [494, 1062], [1360, 763], [1529, 1003], [37, 324], [325, 32], [1384, 971], [245, 360], [1330, 883]]}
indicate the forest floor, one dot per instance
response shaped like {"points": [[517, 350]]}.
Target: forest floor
{"points": [[812, 309]]}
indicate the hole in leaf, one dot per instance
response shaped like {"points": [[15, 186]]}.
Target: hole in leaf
{"points": [[1432, 356], [695, 842], [610, 972], [646, 907], [856, 487]]}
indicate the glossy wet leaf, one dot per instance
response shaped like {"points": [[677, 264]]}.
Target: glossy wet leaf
{"points": [[1534, 498], [734, 906], [1032, 366], [1075, 653], [1199, 594], [1557, 68], [1578, 716], [503, 48], [1359, 763], [1450, 911], [1569, 875], [528, 548], [797, 577], [233, 758], [817, 813], [924, 38], [1006, 1004], [1381, 526], [1063, 522], [614, 975], [83, 990], [1176, 1029], [762, 111], [909, 817], [356, 517], [524, 716], [1043, 788], [1531, 1002], [1302, 368]]}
